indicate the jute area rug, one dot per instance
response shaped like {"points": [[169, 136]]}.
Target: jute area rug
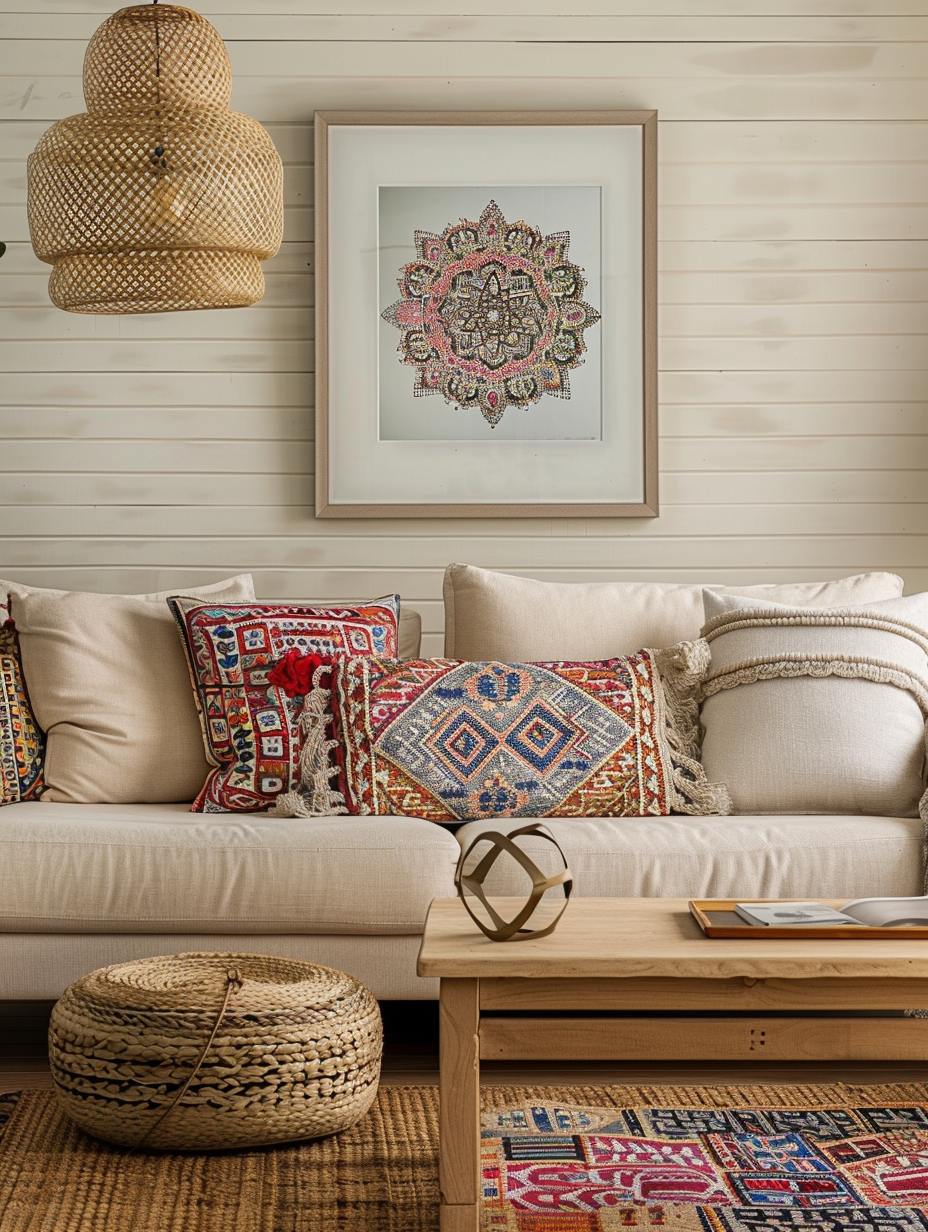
{"points": [[555, 1159]]}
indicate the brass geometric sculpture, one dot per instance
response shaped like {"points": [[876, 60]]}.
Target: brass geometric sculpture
{"points": [[158, 198], [474, 867]]}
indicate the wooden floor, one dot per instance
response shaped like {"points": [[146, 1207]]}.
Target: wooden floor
{"points": [[411, 1057]]}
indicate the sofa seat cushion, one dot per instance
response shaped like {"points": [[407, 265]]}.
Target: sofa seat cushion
{"points": [[726, 857], [159, 868]]}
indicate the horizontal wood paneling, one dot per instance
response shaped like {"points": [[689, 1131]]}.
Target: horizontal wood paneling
{"points": [[785, 141], [243, 457], [689, 320], [152, 451], [682, 185], [774, 223], [719, 10], [773, 256], [874, 289], [777, 385], [276, 520], [242, 353], [263, 322], [751, 96], [353, 554], [755, 256], [500, 27], [290, 423], [208, 389], [735, 488], [678, 60]]}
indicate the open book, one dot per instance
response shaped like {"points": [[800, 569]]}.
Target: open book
{"points": [[872, 912]]}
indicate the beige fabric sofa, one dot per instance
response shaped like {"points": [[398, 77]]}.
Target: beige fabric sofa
{"points": [[82, 886]]}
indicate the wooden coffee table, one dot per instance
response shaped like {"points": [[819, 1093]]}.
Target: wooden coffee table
{"points": [[563, 998]]}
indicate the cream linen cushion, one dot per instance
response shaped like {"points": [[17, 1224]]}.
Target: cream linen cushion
{"points": [[817, 711], [109, 685], [514, 619], [143, 868], [721, 857]]}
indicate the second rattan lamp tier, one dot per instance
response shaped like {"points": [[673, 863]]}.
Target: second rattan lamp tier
{"points": [[159, 198]]}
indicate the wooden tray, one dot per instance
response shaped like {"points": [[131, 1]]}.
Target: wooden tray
{"points": [[717, 918]]}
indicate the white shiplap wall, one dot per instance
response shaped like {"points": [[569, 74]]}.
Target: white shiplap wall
{"points": [[142, 452]]}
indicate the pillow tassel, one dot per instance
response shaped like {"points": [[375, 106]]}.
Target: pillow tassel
{"points": [[315, 796], [923, 814], [679, 672]]}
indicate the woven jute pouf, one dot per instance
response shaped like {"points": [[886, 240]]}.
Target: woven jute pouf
{"points": [[210, 1051]]}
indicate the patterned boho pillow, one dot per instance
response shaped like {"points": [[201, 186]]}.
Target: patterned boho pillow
{"points": [[22, 742], [450, 740], [254, 667]]}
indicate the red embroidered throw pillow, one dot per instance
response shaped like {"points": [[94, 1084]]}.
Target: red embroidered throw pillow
{"points": [[22, 741], [450, 740], [252, 665]]}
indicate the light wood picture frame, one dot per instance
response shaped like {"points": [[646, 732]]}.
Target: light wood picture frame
{"points": [[434, 230]]}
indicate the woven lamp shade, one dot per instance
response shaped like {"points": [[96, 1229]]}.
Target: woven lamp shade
{"points": [[159, 198]]}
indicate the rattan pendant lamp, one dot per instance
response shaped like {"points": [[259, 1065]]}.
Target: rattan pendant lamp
{"points": [[159, 198]]}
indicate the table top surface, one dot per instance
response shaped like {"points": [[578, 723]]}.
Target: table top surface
{"points": [[621, 938]]}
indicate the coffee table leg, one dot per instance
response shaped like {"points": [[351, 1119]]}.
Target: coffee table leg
{"points": [[459, 1116]]}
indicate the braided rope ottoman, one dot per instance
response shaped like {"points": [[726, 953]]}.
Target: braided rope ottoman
{"points": [[210, 1051]]}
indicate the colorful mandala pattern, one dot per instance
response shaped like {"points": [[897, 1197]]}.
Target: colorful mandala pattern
{"points": [[492, 314], [448, 740], [22, 741], [562, 1168], [251, 727]]}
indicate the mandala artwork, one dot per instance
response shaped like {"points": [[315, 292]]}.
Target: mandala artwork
{"points": [[492, 314]]}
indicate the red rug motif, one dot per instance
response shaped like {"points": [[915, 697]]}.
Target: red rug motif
{"points": [[558, 1167]]}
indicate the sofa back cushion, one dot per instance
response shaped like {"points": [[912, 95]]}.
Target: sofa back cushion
{"points": [[817, 711], [409, 634], [497, 616], [109, 685]]}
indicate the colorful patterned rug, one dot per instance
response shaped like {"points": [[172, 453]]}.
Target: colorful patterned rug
{"points": [[555, 1159], [795, 1160]]}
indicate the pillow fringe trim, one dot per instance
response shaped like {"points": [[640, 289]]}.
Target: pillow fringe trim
{"points": [[790, 666], [847, 618], [315, 796], [679, 670]]}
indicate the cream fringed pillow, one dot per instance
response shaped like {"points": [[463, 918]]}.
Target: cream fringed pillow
{"points": [[817, 710], [109, 685]]}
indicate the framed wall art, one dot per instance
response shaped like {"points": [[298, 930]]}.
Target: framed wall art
{"points": [[486, 335]]}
